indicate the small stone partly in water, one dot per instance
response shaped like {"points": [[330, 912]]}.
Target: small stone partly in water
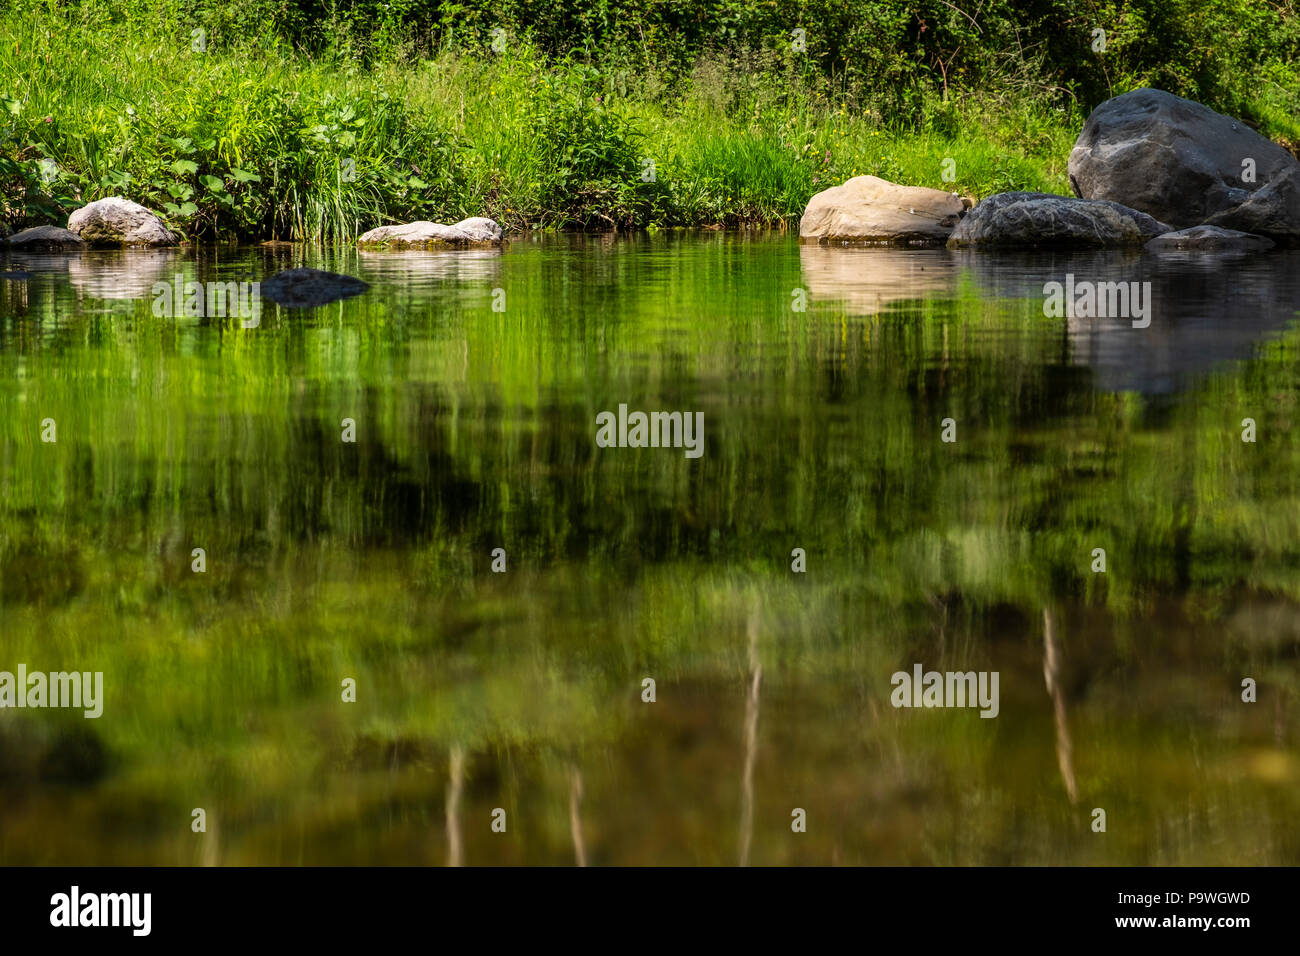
{"points": [[46, 238], [1209, 239], [304, 288]]}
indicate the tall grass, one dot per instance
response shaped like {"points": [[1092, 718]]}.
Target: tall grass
{"points": [[262, 142]]}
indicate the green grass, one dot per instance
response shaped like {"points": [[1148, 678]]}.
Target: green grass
{"points": [[262, 142]]}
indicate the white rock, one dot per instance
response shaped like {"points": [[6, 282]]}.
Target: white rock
{"points": [[116, 221], [475, 230]]}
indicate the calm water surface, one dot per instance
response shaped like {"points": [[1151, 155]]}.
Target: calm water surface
{"points": [[372, 560]]}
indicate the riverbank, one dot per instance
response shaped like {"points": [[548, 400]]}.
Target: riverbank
{"points": [[256, 129], [264, 144]]}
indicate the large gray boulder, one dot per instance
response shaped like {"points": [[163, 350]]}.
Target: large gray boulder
{"points": [[1044, 219], [1209, 239], [473, 231], [305, 288], [114, 221], [45, 238], [1272, 210], [1172, 158], [870, 209]]}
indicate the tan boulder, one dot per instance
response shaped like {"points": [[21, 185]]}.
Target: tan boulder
{"points": [[870, 209]]}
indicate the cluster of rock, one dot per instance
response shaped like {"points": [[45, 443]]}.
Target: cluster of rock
{"points": [[117, 222], [113, 221], [1149, 168]]}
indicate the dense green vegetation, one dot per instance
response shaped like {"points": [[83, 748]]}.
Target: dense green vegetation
{"points": [[304, 119]]}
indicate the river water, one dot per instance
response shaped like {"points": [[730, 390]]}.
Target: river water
{"points": [[828, 380]]}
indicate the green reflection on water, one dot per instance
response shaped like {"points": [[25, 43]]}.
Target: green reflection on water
{"points": [[475, 429]]}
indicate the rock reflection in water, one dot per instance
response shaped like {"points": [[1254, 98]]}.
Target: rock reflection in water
{"points": [[106, 274], [421, 266], [869, 279], [1205, 308]]}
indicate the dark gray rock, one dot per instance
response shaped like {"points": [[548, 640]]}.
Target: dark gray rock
{"points": [[304, 288], [1171, 158], [1273, 210], [45, 238], [1209, 239], [1044, 219]]}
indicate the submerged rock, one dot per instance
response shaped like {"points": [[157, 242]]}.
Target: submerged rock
{"points": [[115, 221], [76, 757], [72, 755], [468, 231], [1172, 158], [1044, 219], [45, 238], [304, 288], [1210, 239], [870, 209]]}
